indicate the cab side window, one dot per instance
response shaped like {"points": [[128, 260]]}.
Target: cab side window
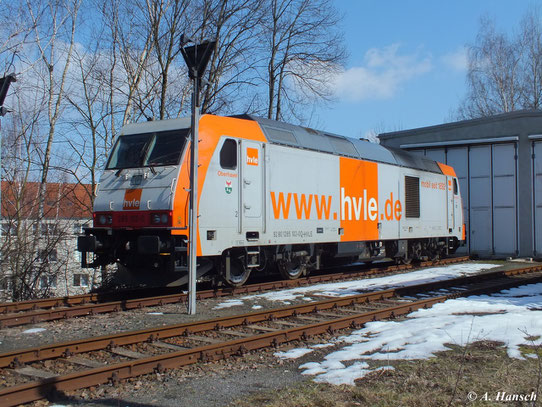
{"points": [[228, 154], [456, 189]]}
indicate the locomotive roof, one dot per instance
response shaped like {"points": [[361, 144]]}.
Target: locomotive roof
{"points": [[306, 138], [303, 137]]}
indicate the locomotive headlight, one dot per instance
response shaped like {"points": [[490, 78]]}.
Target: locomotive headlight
{"points": [[109, 220], [102, 219], [164, 218], [156, 218]]}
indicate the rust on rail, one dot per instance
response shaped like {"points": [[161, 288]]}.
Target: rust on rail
{"points": [[90, 304]]}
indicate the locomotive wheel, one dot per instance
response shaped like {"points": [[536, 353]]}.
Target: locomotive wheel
{"points": [[434, 252], [416, 251], [290, 270], [238, 272], [406, 260]]}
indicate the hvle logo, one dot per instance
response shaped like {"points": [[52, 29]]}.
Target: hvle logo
{"points": [[132, 199], [252, 156]]}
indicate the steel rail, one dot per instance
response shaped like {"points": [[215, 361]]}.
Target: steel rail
{"points": [[37, 390], [18, 357], [88, 306]]}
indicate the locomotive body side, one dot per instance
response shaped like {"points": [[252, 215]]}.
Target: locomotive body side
{"points": [[266, 204], [278, 195]]}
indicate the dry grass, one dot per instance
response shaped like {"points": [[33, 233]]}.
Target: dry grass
{"points": [[482, 367]]}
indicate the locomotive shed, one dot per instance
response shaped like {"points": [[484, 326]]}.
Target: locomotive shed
{"points": [[255, 371], [498, 160]]}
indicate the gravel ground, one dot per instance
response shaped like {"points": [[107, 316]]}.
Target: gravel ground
{"points": [[203, 385], [209, 384]]}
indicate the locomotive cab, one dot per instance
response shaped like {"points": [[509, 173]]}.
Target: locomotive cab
{"points": [[133, 212]]}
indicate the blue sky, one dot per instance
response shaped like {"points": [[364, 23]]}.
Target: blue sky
{"points": [[406, 65]]}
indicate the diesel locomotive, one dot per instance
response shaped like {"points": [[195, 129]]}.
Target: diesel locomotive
{"points": [[273, 197]]}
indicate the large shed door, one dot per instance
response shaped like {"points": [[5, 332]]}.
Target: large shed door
{"points": [[458, 157], [504, 199], [480, 200], [537, 180]]}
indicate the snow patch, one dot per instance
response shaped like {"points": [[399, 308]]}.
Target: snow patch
{"points": [[346, 288], [293, 353], [322, 345], [512, 317], [228, 304], [33, 330]]}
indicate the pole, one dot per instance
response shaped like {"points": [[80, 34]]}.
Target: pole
{"points": [[4, 87], [193, 214], [196, 58]]}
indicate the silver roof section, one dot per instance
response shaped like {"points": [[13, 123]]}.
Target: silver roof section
{"points": [[310, 139], [158, 125]]}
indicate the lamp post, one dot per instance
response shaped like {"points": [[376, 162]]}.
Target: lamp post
{"points": [[196, 57], [4, 87]]}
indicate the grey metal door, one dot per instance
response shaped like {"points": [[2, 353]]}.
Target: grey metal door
{"points": [[458, 157], [480, 231], [537, 180], [504, 199]]}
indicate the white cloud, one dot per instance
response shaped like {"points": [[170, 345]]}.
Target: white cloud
{"points": [[381, 75], [456, 60]]}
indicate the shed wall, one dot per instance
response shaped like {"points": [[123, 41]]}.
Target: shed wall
{"points": [[498, 161]]}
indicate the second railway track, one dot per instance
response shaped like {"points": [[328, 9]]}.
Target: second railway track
{"points": [[42, 310], [115, 357]]}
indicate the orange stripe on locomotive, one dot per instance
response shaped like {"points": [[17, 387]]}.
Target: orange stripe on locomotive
{"points": [[211, 129]]}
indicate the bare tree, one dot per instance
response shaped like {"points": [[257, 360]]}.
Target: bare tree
{"points": [[531, 59], [302, 47], [53, 53], [15, 28], [30, 234], [168, 20], [232, 71], [504, 71]]}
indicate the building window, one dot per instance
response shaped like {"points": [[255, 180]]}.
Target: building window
{"points": [[47, 281], [49, 229], [6, 283], [9, 229], [77, 228], [48, 256], [80, 280]]}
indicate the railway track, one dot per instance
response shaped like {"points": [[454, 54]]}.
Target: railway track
{"points": [[42, 310], [116, 357]]}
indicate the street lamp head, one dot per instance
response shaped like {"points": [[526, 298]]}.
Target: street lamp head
{"points": [[197, 56], [4, 86], [185, 39]]}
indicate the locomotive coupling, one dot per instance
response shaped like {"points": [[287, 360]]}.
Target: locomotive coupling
{"points": [[87, 244], [148, 244]]}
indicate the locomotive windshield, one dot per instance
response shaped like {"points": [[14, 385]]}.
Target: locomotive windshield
{"points": [[148, 150]]}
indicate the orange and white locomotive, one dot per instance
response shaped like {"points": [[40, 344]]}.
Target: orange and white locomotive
{"points": [[272, 196]]}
